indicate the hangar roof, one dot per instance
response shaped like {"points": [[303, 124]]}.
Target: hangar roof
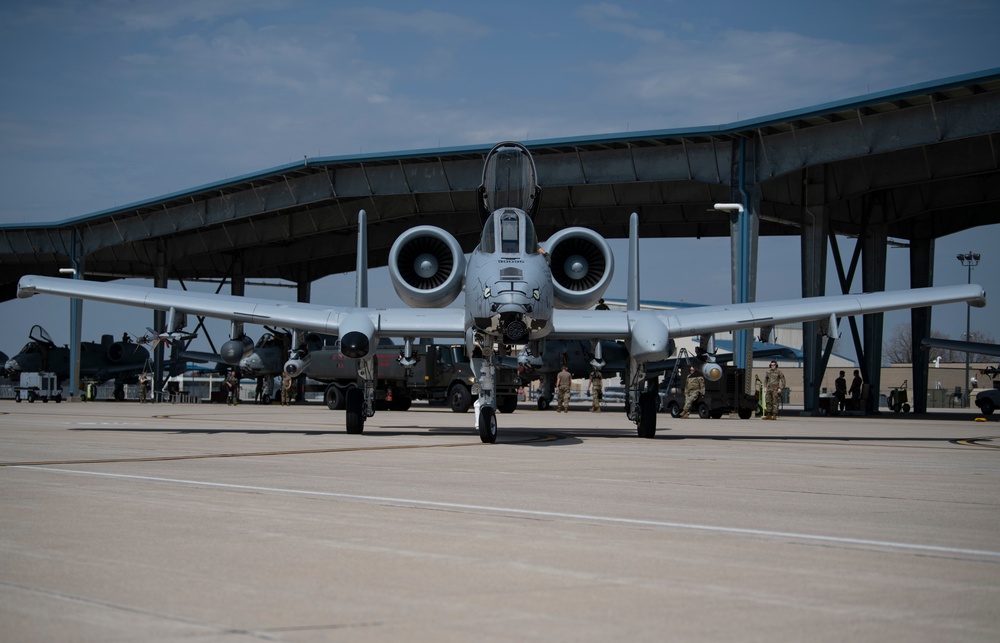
{"points": [[921, 161]]}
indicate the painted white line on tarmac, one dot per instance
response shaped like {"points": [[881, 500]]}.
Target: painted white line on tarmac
{"points": [[762, 533]]}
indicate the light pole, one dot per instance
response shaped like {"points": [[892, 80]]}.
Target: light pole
{"points": [[971, 260]]}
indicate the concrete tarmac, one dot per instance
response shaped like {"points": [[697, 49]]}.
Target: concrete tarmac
{"points": [[129, 522]]}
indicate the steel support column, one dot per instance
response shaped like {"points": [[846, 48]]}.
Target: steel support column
{"points": [[921, 276], [815, 230], [873, 257], [744, 227], [160, 280], [75, 317]]}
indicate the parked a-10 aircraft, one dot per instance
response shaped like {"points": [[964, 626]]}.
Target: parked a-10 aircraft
{"points": [[102, 361], [514, 294]]}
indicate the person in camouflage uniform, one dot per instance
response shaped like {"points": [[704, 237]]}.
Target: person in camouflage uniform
{"points": [[596, 391], [694, 389], [563, 383], [286, 388], [774, 383]]}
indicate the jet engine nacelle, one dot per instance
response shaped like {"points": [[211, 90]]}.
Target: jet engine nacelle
{"points": [[427, 267], [127, 353], [236, 349], [582, 266], [297, 365]]}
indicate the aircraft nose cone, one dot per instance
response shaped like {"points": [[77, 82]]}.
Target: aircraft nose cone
{"points": [[251, 364]]}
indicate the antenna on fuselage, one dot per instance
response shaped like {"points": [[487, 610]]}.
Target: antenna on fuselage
{"points": [[361, 290], [632, 303]]}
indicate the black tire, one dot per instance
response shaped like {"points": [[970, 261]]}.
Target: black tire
{"points": [[487, 425], [715, 415], [506, 403], [745, 414], [987, 407], [543, 403], [647, 415], [334, 398], [906, 408], [265, 399], [355, 403], [119, 394], [675, 409], [31, 397], [459, 398], [703, 411]]}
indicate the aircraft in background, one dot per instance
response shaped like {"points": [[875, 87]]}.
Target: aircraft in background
{"points": [[122, 360], [960, 346], [514, 294]]}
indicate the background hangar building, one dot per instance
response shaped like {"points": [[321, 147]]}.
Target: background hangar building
{"points": [[915, 164]]}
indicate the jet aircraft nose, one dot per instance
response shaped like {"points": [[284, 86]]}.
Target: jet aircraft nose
{"points": [[251, 364]]}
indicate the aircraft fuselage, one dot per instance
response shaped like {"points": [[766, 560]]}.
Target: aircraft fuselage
{"points": [[508, 287]]}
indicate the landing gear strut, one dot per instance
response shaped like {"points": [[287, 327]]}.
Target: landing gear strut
{"points": [[643, 400], [486, 416]]}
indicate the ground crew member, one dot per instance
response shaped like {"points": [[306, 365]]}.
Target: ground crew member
{"points": [[596, 390], [774, 383], [232, 386], [143, 387], [601, 305], [563, 383], [694, 389], [856, 386], [286, 388], [840, 391]]}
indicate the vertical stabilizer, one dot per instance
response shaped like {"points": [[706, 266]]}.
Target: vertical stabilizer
{"points": [[361, 292], [633, 263]]}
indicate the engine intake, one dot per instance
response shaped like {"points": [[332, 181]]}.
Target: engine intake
{"points": [[427, 267], [582, 265]]}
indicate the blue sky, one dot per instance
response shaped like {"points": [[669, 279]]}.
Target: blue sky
{"points": [[111, 102]]}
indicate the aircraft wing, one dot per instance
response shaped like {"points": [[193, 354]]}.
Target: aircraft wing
{"points": [[450, 322], [960, 346], [687, 322], [395, 322]]}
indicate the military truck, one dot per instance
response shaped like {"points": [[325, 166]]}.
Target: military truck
{"points": [[722, 396], [443, 374]]}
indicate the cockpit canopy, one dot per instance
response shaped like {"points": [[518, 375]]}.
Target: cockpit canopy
{"points": [[40, 335], [509, 180], [514, 231]]}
